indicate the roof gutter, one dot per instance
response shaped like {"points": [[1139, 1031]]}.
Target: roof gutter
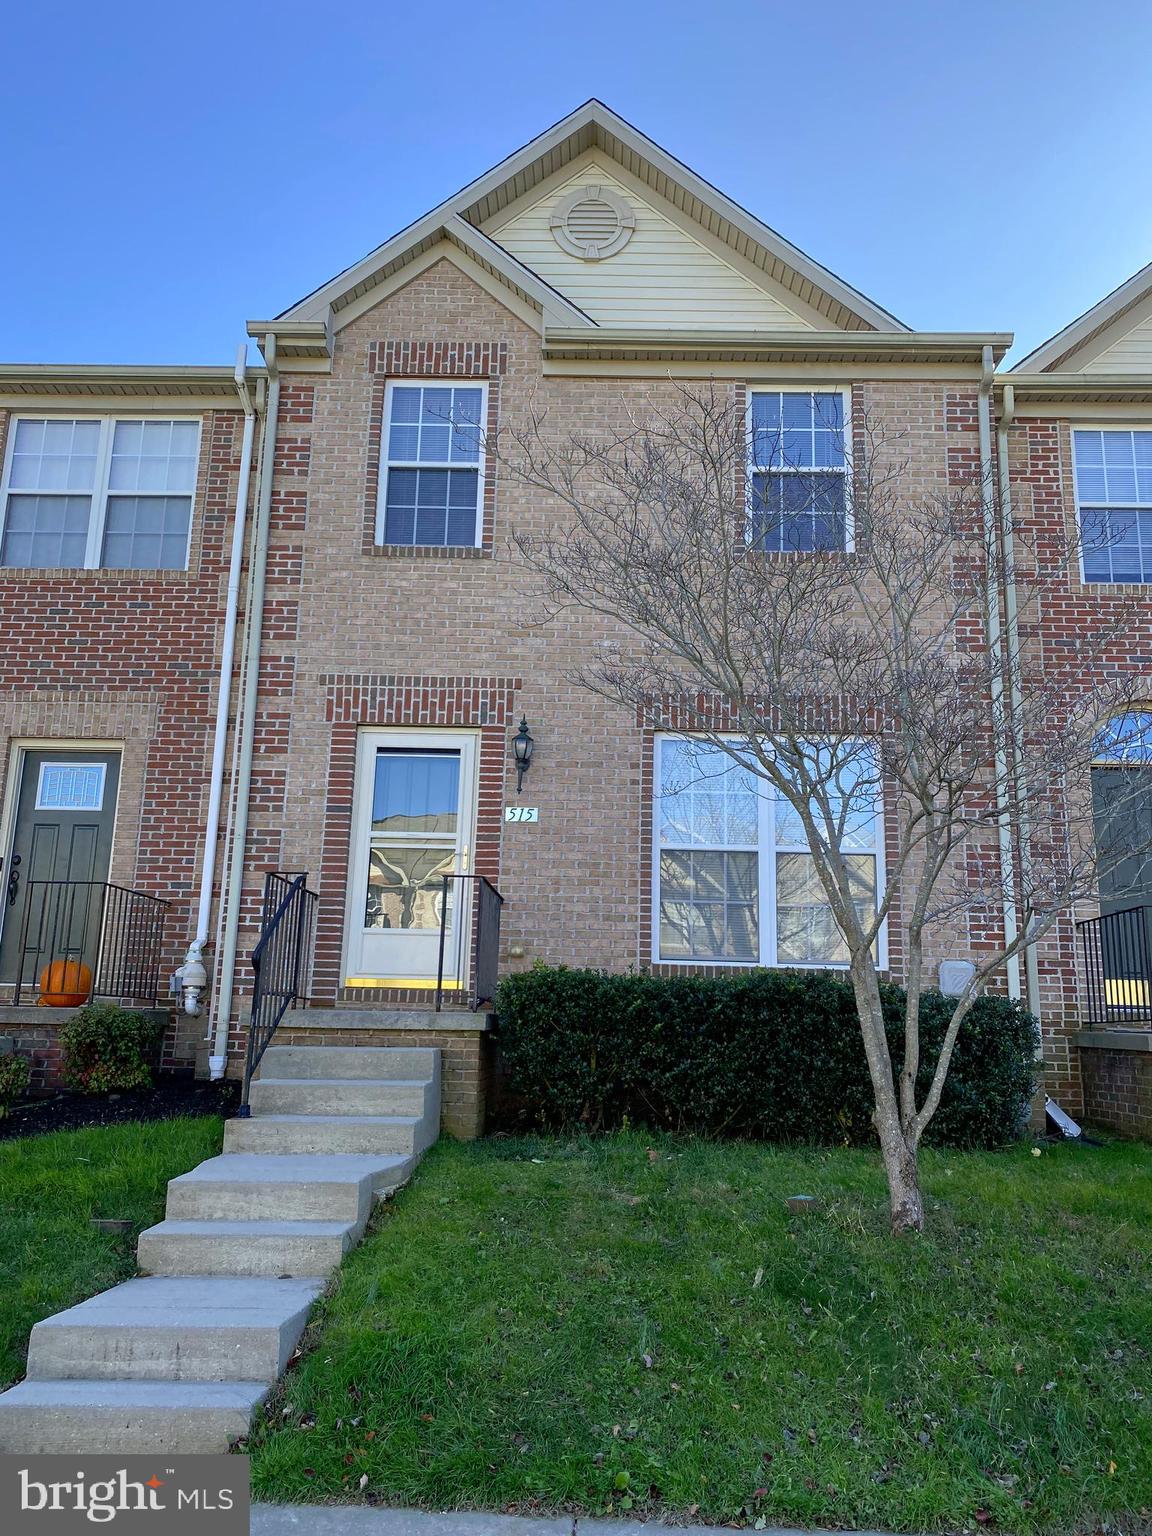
{"points": [[992, 556], [194, 975], [245, 729], [766, 346], [1105, 387]]}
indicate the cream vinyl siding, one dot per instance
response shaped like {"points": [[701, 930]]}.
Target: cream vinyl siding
{"points": [[662, 277], [1131, 354]]}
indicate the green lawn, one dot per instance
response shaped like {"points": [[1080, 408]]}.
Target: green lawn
{"points": [[638, 1324], [51, 1186]]}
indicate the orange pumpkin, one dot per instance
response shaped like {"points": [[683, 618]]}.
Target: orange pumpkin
{"points": [[65, 984]]}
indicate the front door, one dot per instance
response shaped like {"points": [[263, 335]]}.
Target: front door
{"points": [[412, 824], [1122, 808], [62, 833]]}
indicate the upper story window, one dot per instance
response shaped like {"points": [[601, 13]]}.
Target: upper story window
{"points": [[432, 479], [1114, 503], [735, 880], [799, 471], [99, 492]]}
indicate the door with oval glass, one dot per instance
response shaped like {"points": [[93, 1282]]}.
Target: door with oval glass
{"points": [[412, 823]]}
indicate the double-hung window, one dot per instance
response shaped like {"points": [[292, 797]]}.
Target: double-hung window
{"points": [[432, 479], [798, 472], [1114, 503], [736, 882], [99, 492]]}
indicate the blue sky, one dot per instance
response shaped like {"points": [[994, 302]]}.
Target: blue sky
{"points": [[175, 170]]}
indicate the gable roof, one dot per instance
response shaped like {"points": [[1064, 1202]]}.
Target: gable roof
{"points": [[1079, 336], [594, 125]]}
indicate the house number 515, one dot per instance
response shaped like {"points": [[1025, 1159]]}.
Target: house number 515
{"points": [[521, 813]]}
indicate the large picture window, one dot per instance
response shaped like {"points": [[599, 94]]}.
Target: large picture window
{"points": [[99, 492], [798, 477], [431, 484], [735, 880], [1114, 503]]}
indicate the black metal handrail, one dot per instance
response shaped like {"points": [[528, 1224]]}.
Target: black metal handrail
{"points": [[113, 933], [1117, 959], [484, 957], [282, 965]]}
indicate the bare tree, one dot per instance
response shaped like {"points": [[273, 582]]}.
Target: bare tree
{"points": [[834, 637]]}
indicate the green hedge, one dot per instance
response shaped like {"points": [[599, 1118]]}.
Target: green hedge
{"points": [[774, 1055]]}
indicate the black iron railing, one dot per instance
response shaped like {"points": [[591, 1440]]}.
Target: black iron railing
{"points": [[482, 970], [282, 963], [89, 939], [1117, 959]]}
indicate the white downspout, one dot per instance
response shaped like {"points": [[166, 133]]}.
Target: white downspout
{"points": [[193, 973], [254, 629], [996, 654], [1015, 697]]}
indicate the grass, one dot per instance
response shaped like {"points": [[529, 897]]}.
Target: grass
{"points": [[632, 1325], [51, 1186]]}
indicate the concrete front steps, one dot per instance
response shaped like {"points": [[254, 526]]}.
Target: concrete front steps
{"points": [[179, 1359]]}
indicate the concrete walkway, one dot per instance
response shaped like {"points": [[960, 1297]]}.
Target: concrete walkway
{"points": [[179, 1358], [359, 1520]]}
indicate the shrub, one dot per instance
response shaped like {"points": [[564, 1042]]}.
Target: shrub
{"points": [[775, 1055], [106, 1049], [15, 1074]]}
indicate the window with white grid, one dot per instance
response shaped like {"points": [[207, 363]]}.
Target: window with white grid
{"points": [[1114, 503], [99, 491], [798, 472], [735, 880], [432, 465]]}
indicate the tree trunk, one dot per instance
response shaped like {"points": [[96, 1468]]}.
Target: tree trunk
{"points": [[905, 1201], [898, 1151]]}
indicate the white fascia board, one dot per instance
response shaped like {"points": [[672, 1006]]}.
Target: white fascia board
{"points": [[1049, 354], [910, 345], [1061, 389], [143, 383], [556, 308], [596, 114], [748, 223]]}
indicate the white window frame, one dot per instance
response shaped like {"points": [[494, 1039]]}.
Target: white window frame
{"points": [[766, 851], [424, 381], [46, 767], [97, 518], [1092, 506], [765, 387]]}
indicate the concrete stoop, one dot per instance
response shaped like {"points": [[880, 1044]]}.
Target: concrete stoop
{"points": [[179, 1359]]}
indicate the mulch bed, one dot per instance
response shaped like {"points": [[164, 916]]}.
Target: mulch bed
{"points": [[171, 1095]]}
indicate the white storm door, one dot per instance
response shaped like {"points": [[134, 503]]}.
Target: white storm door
{"points": [[413, 818]]}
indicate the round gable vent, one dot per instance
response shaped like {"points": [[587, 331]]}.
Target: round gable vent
{"points": [[592, 222]]}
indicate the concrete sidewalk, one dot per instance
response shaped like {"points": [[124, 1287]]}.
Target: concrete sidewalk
{"points": [[358, 1520]]}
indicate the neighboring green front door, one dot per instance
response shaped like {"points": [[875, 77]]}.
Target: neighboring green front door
{"points": [[65, 812]]}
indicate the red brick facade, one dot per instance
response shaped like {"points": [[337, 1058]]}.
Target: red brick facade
{"points": [[131, 659], [357, 635], [1118, 1090]]}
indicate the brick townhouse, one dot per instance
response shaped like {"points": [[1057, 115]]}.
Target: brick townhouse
{"points": [[322, 533]]}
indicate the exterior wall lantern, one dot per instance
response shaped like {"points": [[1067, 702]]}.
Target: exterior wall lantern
{"points": [[522, 748]]}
